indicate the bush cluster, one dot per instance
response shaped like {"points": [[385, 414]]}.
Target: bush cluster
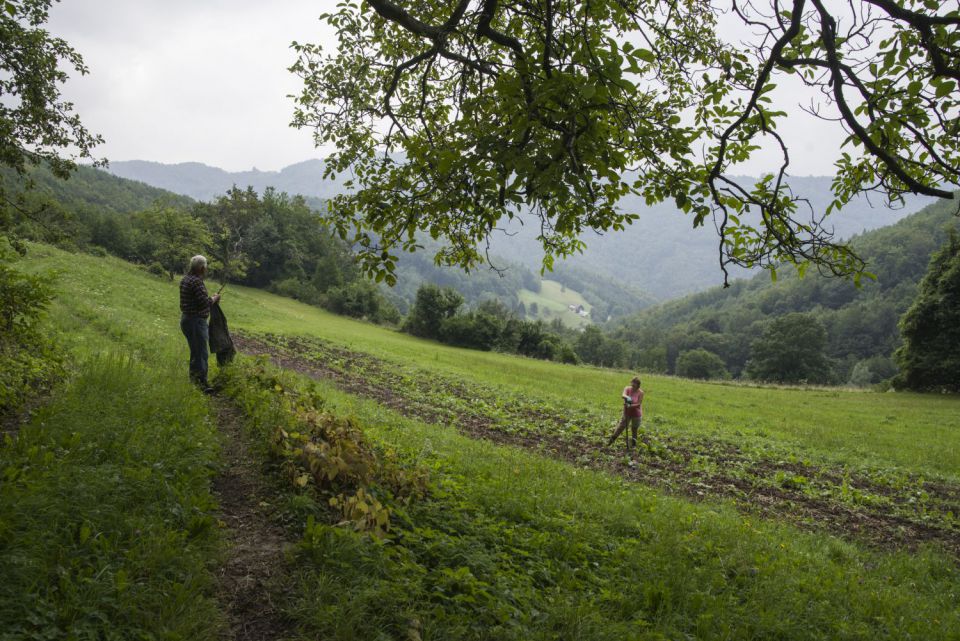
{"points": [[436, 314]]}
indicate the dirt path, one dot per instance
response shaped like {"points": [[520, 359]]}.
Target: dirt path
{"points": [[255, 558], [731, 475]]}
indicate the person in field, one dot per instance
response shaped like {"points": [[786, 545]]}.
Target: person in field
{"points": [[194, 312], [632, 413]]}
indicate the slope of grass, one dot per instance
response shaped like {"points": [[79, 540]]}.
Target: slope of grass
{"points": [[105, 524], [511, 545], [553, 301], [920, 433]]}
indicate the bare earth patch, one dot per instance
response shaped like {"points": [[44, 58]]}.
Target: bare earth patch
{"points": [[254, 563], [696, 468]]}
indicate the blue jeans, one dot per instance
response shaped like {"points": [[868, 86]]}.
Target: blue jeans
{"points": [[197, 333]]}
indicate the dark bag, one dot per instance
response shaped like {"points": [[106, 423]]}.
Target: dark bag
{"points": [[220, 342]]}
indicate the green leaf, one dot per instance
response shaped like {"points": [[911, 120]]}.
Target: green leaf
{"points": [[945, 87], [645, 55]]}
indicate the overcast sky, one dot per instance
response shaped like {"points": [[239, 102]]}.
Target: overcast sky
{"points": [[207, 81]]}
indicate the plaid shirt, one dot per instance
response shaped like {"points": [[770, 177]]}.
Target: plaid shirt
{"points": [[193, 297]]}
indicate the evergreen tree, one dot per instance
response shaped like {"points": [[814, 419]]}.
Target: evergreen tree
{"points": [[930, 356]]}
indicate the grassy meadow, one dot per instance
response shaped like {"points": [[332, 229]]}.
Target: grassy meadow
{"points": [[107, 528], [552, 302], [506, 544]]}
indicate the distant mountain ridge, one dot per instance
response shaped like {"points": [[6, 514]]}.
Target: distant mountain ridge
{"points": [[203, 182], [661, 254]]}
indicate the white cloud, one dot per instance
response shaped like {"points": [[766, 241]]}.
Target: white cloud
{"points": [[183, 81]]}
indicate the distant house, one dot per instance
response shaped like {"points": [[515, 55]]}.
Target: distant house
{"points": [[572, 308]]}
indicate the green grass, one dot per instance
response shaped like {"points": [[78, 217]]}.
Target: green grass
{"points": [[835, 495], [105, 514], [106, 517], [510, 545], [109, 532], [552, 302], [918, 433]]}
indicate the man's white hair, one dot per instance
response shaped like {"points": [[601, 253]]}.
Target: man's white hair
{"points": [[197, 264]]}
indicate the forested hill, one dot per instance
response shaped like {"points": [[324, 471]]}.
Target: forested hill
{"points": [[661, 253], [607, 297], [660, 257], [861, 324], [95, 210], [93, 190], [91, 208]]}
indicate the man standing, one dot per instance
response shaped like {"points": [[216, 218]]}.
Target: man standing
{"points": [[632, 413], [194, 311]]}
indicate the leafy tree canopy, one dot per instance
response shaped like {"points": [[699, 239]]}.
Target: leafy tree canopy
{"points": [[790, 350], [169, 236], [433, 306], [36, 124], [700, 363], [930, 356], [454, 116]]}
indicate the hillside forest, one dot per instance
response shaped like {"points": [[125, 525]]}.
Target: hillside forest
{"points": [[814, 329], [276, 242], [842, 332]]}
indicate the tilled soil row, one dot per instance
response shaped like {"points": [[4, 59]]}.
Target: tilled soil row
{"points": [[344, 363], [670, 470]]}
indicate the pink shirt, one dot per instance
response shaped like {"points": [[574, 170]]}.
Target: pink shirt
{"points": [[634, 409]]}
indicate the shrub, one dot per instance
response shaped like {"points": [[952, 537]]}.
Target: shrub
{"points": [[361, 299], [298, 290], [157, 269], [872, 371], [566, 354], [791, 350], [702, 364], [476, 330]]}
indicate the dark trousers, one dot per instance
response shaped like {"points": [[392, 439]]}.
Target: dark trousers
{"points": [[634, 423], [197, 333]]}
